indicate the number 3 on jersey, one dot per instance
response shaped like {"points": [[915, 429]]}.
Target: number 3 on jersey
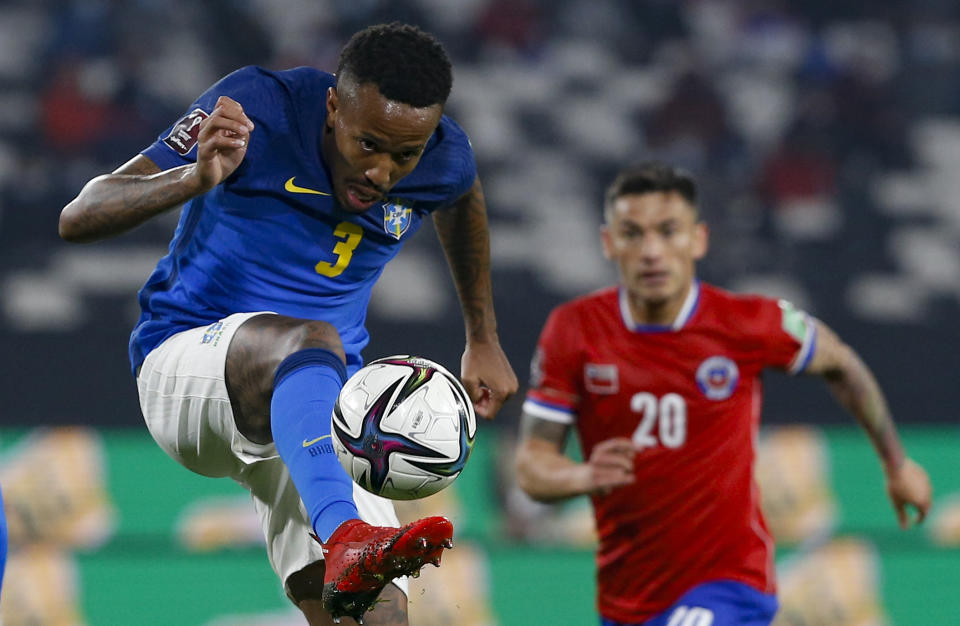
{"points": [[351, 235], [668, 413]]}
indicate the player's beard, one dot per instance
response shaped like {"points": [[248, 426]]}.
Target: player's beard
{"points": [[654, 298]]}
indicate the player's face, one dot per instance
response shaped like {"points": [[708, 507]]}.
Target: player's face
{"points": [[371, 142], [655, 240]]}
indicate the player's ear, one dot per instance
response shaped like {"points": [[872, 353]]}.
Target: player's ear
{"points": [[607, 242], [333, 105], [701, 240]]}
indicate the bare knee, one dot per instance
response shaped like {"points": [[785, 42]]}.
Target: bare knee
{"points": [[316, 334], [275, 337], [257, 349]]}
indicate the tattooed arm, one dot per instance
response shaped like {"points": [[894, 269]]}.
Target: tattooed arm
{"points": [[465, 238], [546, 474], [856, 389], [112, 204]]}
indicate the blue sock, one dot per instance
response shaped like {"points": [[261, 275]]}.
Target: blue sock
{"points": [[304, 391]]}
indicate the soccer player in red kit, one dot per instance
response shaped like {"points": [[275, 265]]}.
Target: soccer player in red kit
{"points": [[660, 377]]}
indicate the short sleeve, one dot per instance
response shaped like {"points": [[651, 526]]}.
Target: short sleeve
{"points": [[554, 392], [251, 86], [788, 335]]}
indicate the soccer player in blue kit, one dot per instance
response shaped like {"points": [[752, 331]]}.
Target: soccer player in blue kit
{"points": [[299, 187]]}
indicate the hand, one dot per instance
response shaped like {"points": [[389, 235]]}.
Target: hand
{"points": [[610, 466], [909, 484], [487, 376], [222, 143]]}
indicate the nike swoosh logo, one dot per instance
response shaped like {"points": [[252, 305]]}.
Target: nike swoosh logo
{"points": [[307, 444], [289, 186]]}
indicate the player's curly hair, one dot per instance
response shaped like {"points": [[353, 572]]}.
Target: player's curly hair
{"points": [[406, 64], [649, 177]]}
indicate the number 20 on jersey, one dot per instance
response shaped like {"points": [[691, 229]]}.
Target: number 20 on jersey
{"points": [[668, 413]]}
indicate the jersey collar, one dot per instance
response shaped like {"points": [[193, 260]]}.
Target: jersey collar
{"points": [[683, 316]]}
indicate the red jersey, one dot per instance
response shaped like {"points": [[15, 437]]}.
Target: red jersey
{"points": [[689, 396]]}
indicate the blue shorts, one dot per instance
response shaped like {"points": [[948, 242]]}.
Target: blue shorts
{"points": [[719, 603]]}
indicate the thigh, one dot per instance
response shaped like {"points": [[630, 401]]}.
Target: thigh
{"points": [[184, 398], [259, 346], [719, 603]]}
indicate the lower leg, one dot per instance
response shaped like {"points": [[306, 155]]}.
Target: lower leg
{"points": [[283, 375]]}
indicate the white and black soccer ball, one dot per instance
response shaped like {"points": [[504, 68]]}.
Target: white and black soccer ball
{"points": [[403, 427]]}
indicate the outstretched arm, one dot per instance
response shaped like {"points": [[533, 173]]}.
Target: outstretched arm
{"points": [[855, 387], [546, 474], [465, 238], [112, 204]]}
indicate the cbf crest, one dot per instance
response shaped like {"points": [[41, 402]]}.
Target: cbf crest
{"points": [[717, 377], [396, 218]]}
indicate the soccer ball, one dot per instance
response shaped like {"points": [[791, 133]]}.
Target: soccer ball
{"points": [[403, 427]]}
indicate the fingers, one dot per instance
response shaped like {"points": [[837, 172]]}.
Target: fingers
{"points": [[611, 464], [618, 452], [902, 516], [225, 140], [229, 108], [487, 400], [487, 376], [910, 487], [484, 402], [227, 126]]}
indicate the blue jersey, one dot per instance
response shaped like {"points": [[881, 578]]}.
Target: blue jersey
{"points": [[271, 237]]}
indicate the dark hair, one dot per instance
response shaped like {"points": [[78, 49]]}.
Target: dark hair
{"points": [[649, 177], [406, 64]]}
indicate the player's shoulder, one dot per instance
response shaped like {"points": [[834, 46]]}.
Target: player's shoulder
{"points": [[450, 133], [446, 170], [298, 81], [570, 324], [449, 148], [266, 92], [749, 313], [301, 83]]}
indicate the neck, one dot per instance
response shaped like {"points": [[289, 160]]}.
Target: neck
{"points": [[657, 312]]}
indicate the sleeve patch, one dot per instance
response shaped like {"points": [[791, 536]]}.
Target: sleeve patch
{"points": [[793, 321], [185, 133]]}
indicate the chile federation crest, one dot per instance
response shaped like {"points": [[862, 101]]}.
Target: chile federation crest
{"points": [[717, 377]]}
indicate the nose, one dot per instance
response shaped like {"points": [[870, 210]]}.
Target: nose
{"points": [[651, 247], [380, 170]]}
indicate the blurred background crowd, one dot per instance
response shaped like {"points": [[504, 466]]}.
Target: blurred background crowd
{"points": [[825, 136]]}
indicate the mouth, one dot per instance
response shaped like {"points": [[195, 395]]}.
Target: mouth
{"points": [[654, 278], [361, 197]]}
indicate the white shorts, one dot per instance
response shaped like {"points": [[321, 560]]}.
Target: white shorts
{"points": [[184, 401]]}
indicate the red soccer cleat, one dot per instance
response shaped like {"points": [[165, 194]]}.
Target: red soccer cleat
{"points": [[361, 559]]}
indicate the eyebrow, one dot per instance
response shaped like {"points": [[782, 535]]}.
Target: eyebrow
{"points": [[419, 147]]}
